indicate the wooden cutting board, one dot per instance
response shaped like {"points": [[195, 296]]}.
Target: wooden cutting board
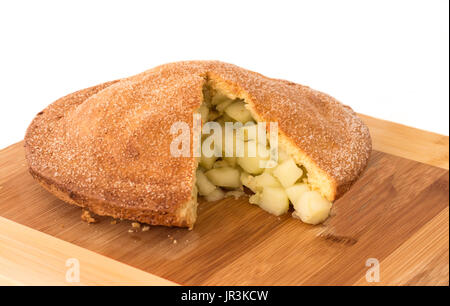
{"points": [[396, 213]]}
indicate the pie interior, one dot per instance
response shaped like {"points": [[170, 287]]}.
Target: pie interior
{"points": [[243, 157]]}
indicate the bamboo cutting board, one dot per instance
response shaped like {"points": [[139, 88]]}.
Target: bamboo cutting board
{"points": [[396, 213]]}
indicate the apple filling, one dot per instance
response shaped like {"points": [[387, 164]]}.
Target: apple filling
{"points": [[275, 183]]}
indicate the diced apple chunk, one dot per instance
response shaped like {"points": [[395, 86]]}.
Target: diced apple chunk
{"points": [[224, 177], [227, 118], [269, 170], [216, 195], [255, 198], [219, 98], [274, 200], [204, 185], [222, 106], [254, 156], [239, 112], [312, 208], [236, 194], [282, 156], [220, 164], [213, 115], [248, 181], [294, 192], [249, 132], [204, 111], [265, 180], [221, 121], [229, 142], [207, 162], [288, 173], [232, 162]]}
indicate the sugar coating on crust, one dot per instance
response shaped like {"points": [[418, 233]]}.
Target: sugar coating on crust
{"points": [[108, 147]]}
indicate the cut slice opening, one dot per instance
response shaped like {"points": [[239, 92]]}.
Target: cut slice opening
{"points": [[243, 159]]}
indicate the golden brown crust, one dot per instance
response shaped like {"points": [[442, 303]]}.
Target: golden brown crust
{"points": [[107, 148]]}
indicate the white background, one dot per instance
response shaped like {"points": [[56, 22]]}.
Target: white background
{"points": [[388, 59]]}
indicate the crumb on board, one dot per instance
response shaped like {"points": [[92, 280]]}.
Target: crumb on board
{"points": [[113, 222], [171, 238], [235, 193], [87, 217], [135, 226]]}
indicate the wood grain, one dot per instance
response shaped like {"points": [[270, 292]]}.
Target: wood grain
{"points": [[394, 213], [22, 247], [422, 259], [400, 140]]}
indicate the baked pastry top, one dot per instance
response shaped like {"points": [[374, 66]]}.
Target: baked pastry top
{"points": [[106, 148]]}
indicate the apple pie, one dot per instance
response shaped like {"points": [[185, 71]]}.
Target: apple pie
{"points": [[108, 148]]}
